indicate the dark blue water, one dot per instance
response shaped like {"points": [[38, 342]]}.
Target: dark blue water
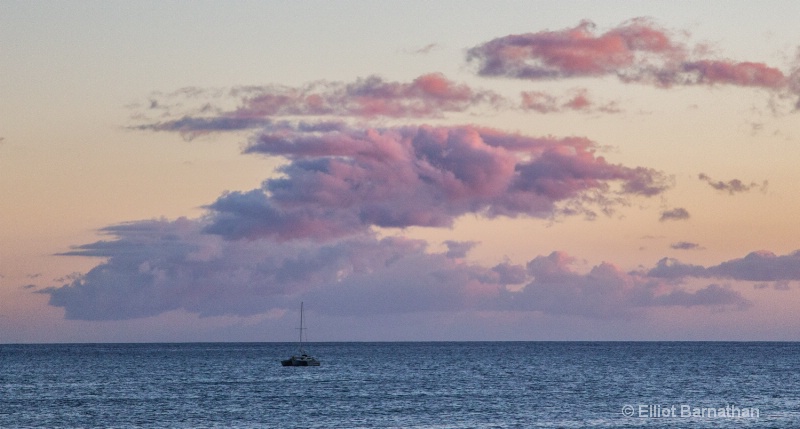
{"points": [[402, 385]]}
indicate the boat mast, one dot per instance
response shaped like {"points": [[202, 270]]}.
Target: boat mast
{"points": [[301, 328]]}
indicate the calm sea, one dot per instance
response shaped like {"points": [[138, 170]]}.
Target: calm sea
{"points": [[402, 385]]}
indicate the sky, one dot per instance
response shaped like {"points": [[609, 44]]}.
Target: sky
{"points": [[411, 171]]}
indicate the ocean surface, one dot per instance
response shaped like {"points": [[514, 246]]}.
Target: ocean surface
{"points": [[402, 385]]}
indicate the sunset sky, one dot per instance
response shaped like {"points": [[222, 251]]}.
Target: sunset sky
{"points": [[480, 170]]}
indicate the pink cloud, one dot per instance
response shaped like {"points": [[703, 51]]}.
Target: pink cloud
{"points": [[576, 100], [347, 180], [579, 102], [429, 95], [711, 72], [636, 51], [573, 52]]}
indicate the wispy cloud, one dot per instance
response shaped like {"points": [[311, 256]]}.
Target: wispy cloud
{"points": [[195, 112], [685, 245], [425, 49], [428, 96], [577, 100], [678, 213], [733, 186], [778, 285]]}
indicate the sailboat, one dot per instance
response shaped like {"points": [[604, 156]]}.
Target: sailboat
{"points": [[302, 358]]}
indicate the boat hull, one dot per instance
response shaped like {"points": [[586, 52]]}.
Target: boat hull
{"points": [[300, 361]]}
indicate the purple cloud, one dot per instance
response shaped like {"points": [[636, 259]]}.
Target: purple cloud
{"points": [[152, 267], [711, 295], [671, 268], [685, 245], [782, 285], [458, 249], [606, 291], [733, 186], [760, 266], [158, 266], [347, 180], [679, 213], [192, 127], [757, 266], [510, 274]]}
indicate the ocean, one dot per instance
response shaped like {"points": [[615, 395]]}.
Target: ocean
{"points": [[402, 385]]}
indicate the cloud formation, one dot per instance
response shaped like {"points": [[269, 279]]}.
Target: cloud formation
{"points": [[761, 266], [425, 49], [347, 180], [156, 266], [678, 213], [732, 186], [684, 245], [428, 96], [311, 231], [577, 100], [192, 126], [636, 51], [194, 112], [607, 292], [574, 52]]}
